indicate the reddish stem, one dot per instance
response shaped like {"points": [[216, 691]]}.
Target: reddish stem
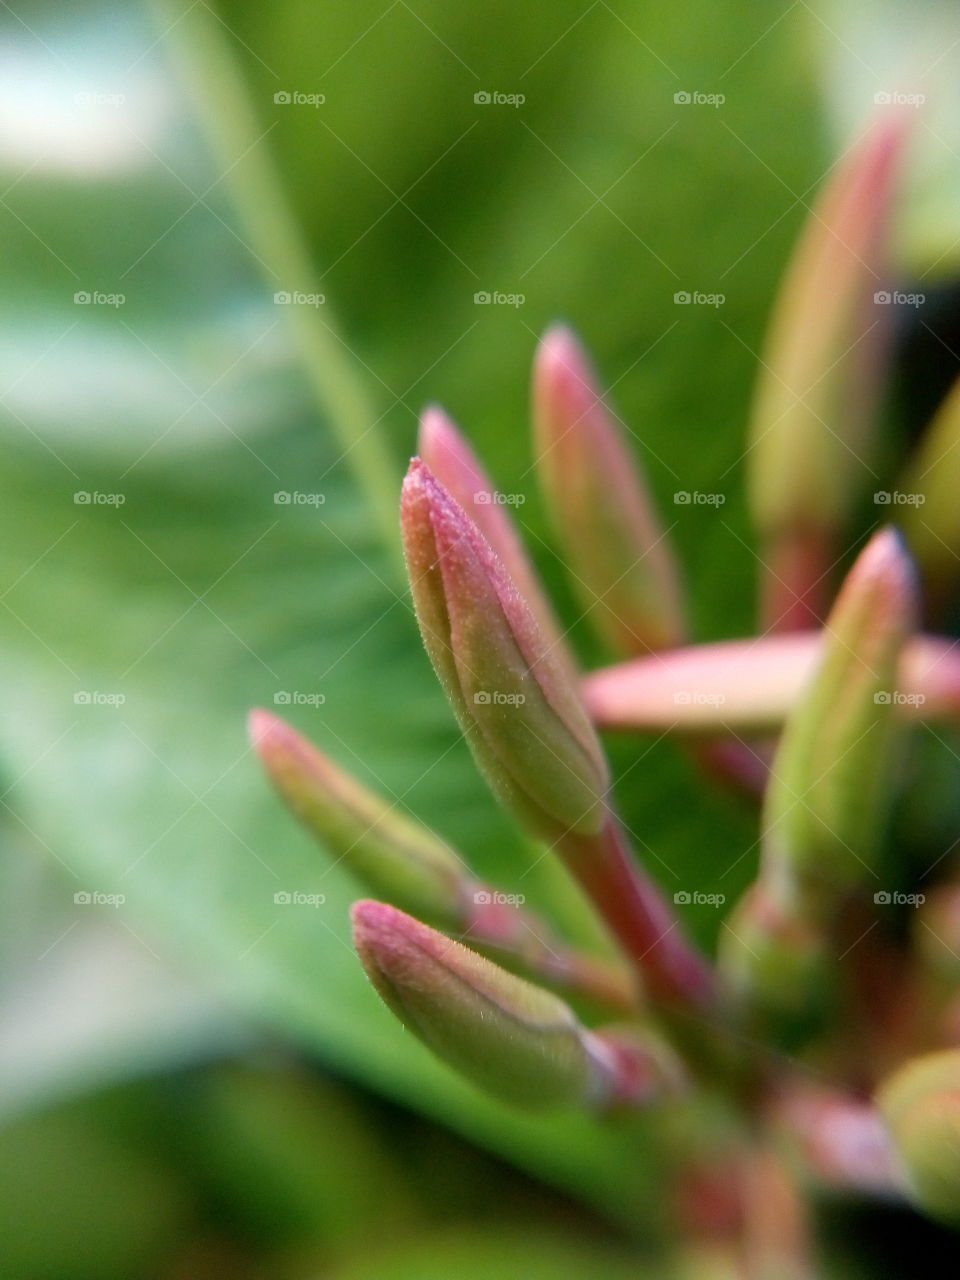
{"points": [[639, 917], [795, 586]]}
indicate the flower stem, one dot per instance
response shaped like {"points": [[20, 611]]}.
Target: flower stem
{"points": [[639, 917]]}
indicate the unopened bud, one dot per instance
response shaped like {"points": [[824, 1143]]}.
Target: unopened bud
{"points": [[508, 1036], [921, 1106], [392, 855], [516, 703], [622, 566]]}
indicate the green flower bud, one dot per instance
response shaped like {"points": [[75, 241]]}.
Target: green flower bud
{"points": [[776, 962], [622, 566], [508, 1036], [832, 777], [812, 421], [516, 703], [454, 464], [392, 856], [920, 1104], [931, 520]]}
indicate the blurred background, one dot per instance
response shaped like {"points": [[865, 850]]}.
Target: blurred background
{"points": [[242, 246]]}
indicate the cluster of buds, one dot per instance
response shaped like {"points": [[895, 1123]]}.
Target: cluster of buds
{"points": [[835, 1041]]}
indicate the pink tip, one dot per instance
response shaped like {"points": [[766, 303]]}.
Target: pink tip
{"points": [[263, 725], [446, 453], [391, 943], [563, 375]]}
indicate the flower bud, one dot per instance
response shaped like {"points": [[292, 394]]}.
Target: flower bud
{"points": [[508, 1036], [831, 779], [514, 698], [775, 961], [931, 520], [920, 1104], [812, 421], [615, 547], [454, 464], [391, 855]]}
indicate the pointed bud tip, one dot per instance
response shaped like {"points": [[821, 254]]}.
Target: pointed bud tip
{"points": [[262, 726], [394, 945], [886, 562], [372, 920], [438, 440], [562, 365], [425, 501], [436, 427], [415, 500], [559, 342]]}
